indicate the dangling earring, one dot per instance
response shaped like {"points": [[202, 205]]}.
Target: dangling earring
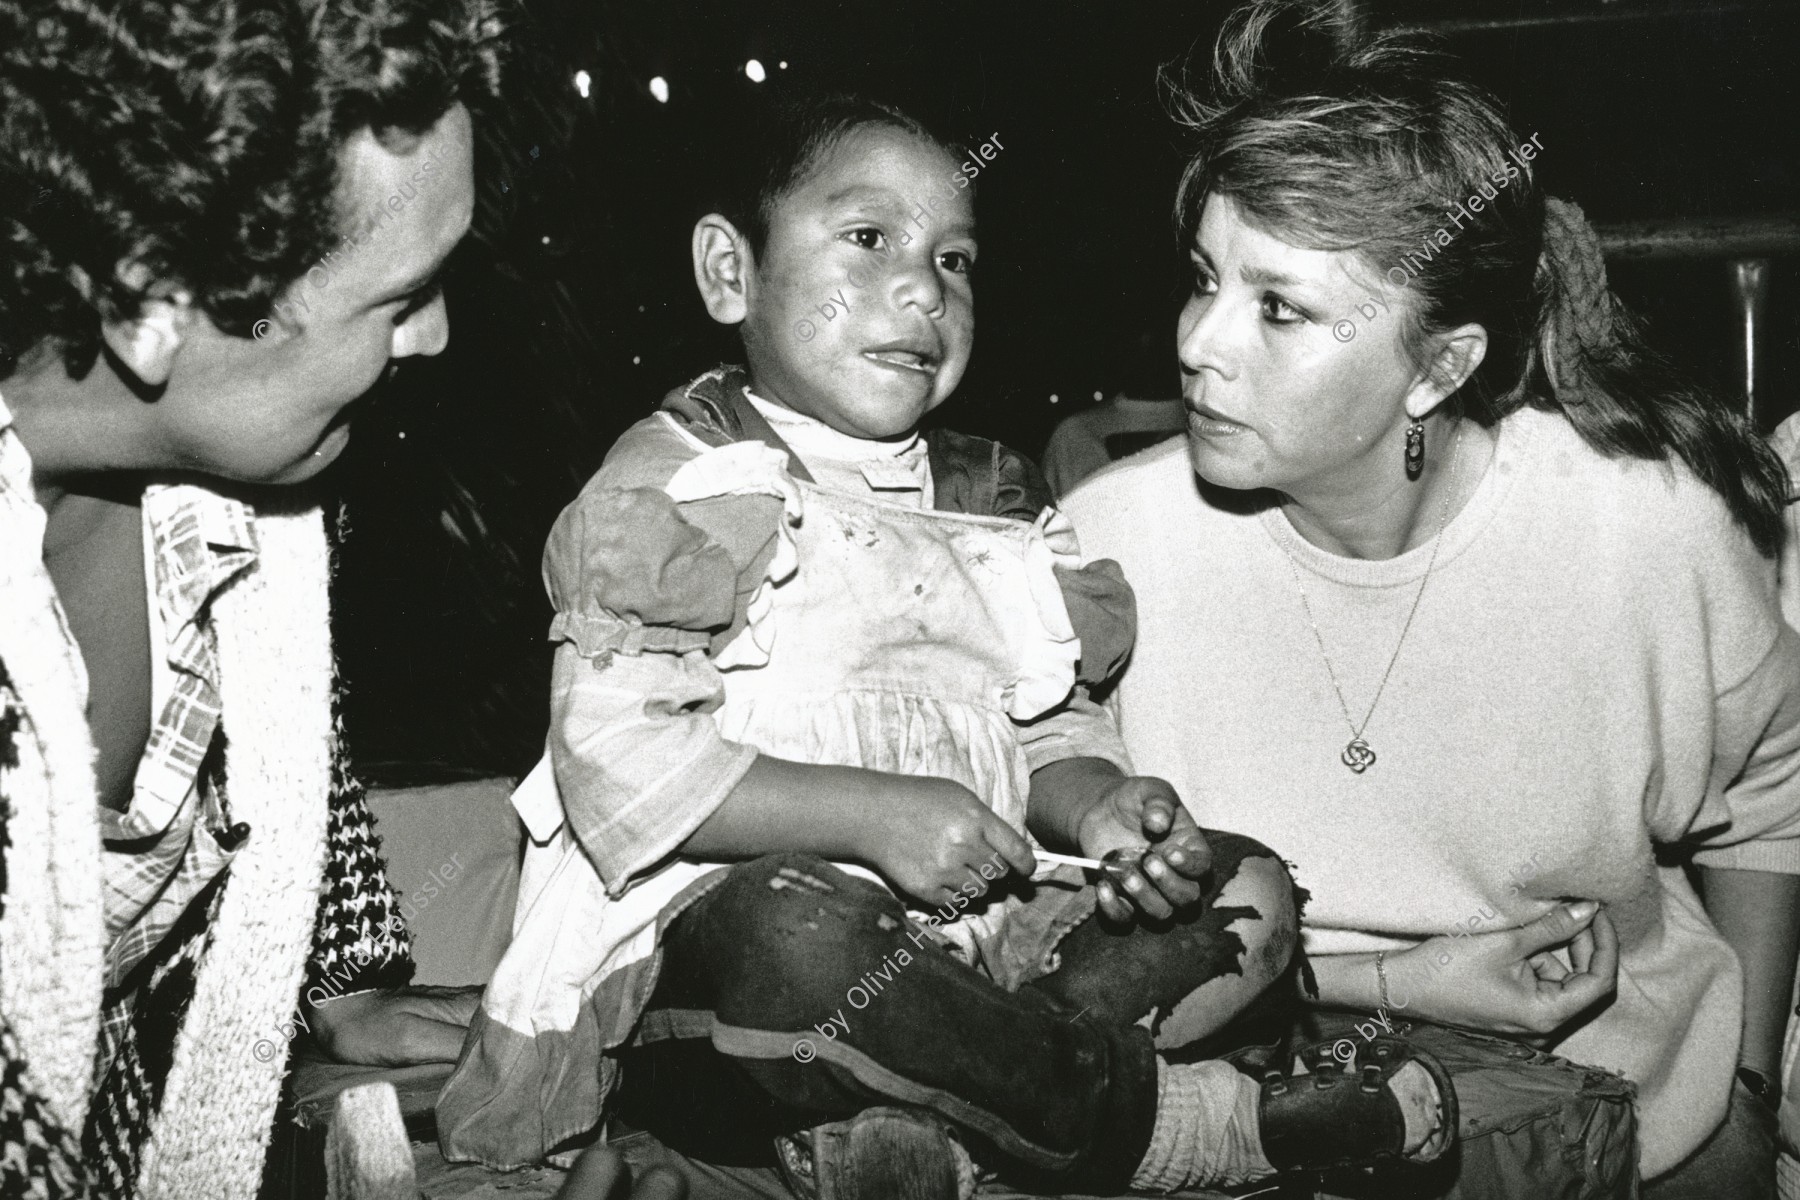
{"points": [[1415, 449]]}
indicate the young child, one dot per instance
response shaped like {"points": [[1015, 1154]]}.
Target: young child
{"points": [[798, 634]]}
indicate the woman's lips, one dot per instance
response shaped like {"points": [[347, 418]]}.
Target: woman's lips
{"points": [[1206, 424]]}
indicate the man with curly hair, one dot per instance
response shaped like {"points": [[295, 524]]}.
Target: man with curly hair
{"points": [[220, 222]]}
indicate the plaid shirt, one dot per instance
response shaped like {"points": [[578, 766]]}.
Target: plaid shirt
{"points": [[164, 866], [164, 850]]}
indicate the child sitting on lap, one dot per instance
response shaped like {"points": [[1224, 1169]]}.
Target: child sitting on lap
{"points": [[798, 635]]}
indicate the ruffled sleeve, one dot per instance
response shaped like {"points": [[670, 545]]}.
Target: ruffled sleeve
{"points": [[1103, 611], [657, 590], [628, 574], [673, 567], [1096, 611], [1102, 607]]}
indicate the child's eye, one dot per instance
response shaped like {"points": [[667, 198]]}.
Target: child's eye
{"points": [[960, 262], [868, 238], [1279, 312], [1204, 283]]}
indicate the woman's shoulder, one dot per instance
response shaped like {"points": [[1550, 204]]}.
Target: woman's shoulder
{"points": [[1144, 495], [1638, 502]]}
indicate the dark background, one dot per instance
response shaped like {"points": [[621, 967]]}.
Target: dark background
{"points": [[571, 324]]}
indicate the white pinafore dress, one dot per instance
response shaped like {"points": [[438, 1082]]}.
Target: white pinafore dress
{"points": [[883, 637]]}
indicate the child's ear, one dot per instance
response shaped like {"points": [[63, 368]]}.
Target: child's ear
{"points": [[722, 267], [148, 342]]}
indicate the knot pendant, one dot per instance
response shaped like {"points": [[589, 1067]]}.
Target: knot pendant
{"points": [[1358, 756]]}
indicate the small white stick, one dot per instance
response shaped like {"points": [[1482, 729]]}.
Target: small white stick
{"points": [[1050, 856]]}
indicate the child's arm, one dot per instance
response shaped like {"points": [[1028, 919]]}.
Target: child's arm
{"points": [[1090, 805], [644, 772], [645, 592], [923, 834]]}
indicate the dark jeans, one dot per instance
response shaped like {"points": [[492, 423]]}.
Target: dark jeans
{"points": [[1737, 1161], [793, 994]]}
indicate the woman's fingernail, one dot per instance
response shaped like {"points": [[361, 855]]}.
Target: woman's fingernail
{"points": [[1581, 910]]}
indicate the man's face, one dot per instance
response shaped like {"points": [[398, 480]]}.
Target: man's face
{"points": [[276, 407]]}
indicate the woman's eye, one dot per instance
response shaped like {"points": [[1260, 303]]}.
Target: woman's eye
{"points": [[1204, 285], [867, 238], [1279, 312], [957, 261]]}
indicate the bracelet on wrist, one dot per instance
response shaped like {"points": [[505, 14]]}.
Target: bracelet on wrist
{"points": [[1381, 981]]}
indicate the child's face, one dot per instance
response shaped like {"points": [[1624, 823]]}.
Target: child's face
{"points": [[860, 312]]}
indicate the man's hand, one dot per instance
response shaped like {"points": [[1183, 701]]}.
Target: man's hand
{"points": [[1164, 852], [397, 1027]]}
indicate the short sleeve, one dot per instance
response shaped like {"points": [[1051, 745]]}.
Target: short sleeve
{"points": [[627, 573], [1103, 611]]}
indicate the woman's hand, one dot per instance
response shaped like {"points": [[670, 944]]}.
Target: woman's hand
{"points": [[1512, 981], [397, 1027], [936, 835], [1143, 817]]}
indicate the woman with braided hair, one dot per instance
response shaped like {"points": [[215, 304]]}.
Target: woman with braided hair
{"points": [[1456, 595]]}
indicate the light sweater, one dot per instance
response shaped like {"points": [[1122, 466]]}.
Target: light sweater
{"points": [[1598, 666]]}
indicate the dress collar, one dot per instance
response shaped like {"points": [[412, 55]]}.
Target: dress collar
{"points": [[811, 436]]}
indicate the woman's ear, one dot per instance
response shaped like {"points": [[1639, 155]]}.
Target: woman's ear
{"points": [[1458, 354], [722, 267]]}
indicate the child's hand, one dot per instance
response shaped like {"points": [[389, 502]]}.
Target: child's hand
{"points": [[1131, 814], [937, 835]]}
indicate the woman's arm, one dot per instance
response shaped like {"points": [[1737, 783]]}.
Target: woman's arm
{"points": [[1758, 914], [1505, 981]]}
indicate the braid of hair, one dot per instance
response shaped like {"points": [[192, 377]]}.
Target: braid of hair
{"points": [[1624, 399]]}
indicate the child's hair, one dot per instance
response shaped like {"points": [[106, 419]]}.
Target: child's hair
{"points": [[786, 143], [1336, 140]]}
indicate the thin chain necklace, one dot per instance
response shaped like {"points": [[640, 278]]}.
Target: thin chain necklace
{"points": [[1358, 755]]}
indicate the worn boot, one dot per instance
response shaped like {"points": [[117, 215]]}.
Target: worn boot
{"points": [[879, 1154]]}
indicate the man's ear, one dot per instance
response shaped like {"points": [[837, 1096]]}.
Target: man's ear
{"points": [[1458, 354], [148, 342], [723, 265]]}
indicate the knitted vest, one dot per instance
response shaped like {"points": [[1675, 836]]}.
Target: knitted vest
{"points": [[210, 1135]]}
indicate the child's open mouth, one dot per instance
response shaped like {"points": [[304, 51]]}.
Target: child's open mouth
{"points": [[905, 360]]}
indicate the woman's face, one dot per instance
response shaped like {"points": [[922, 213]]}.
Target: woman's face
{"points": [[1292, 366]]}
